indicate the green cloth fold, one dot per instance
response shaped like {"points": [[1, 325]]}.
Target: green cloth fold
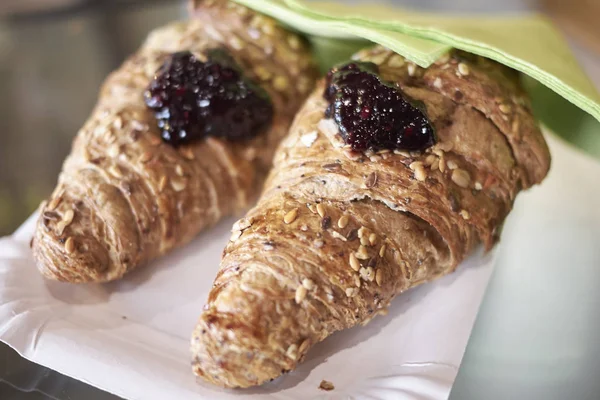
{"points": [[527, 43]]}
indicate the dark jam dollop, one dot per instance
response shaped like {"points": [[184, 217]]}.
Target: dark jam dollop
{"points": [[373, 114], [193, 99]]}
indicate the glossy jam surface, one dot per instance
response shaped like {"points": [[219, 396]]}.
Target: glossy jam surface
{"points": [[193, 99], [373, 114]]}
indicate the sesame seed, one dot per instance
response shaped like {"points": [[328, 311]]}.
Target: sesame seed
{"points": [[179, 170], [463, 69], [461, 177], [379, 277], [321, 210], [178, 184], [465, 214], [68, 217], [162, 183], [54, 202], [338, 235], [235, 235], [430, 159], [354, 263], [437, 83], [351, 292], [375, 158], [438, 152], [343, 221], [371, 180], [304, 227], [292, 351], [435, 165], [372, 239], [308, 284], [300, 294], [357, 282], [312, 208], [451, 164], [362, 254], [415, 164], [70, 245], [290, 216], [318, 243], [504, 108], [478, 186], [60, 228], [382, 251], [442, 165]]}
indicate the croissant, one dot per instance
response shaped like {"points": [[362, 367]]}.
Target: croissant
{"points": [[354, 213], [221, 90]]}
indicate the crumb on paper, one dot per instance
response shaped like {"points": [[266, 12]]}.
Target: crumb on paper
{"points": [[326, 385], [123, 317]]}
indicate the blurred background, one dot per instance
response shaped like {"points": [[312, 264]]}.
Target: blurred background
{"points": [[54, 54]]}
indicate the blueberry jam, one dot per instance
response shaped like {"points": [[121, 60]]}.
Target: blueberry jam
{"points": [[193, 99], [373, 114]]}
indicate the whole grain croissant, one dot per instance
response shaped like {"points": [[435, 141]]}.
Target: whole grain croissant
{"points": [[337, 234], [125, 197]]}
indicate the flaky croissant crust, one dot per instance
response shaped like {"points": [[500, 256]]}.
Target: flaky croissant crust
{"points": [[124, 197], [337, 234]]}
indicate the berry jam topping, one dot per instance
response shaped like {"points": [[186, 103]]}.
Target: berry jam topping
{"points": [[193, 99], [373, 114]]}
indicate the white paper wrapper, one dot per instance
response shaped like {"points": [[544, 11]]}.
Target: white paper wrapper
{"points": [[131, 338]]}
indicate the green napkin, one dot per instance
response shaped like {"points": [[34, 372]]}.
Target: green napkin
{"points": [[529, 44]]}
